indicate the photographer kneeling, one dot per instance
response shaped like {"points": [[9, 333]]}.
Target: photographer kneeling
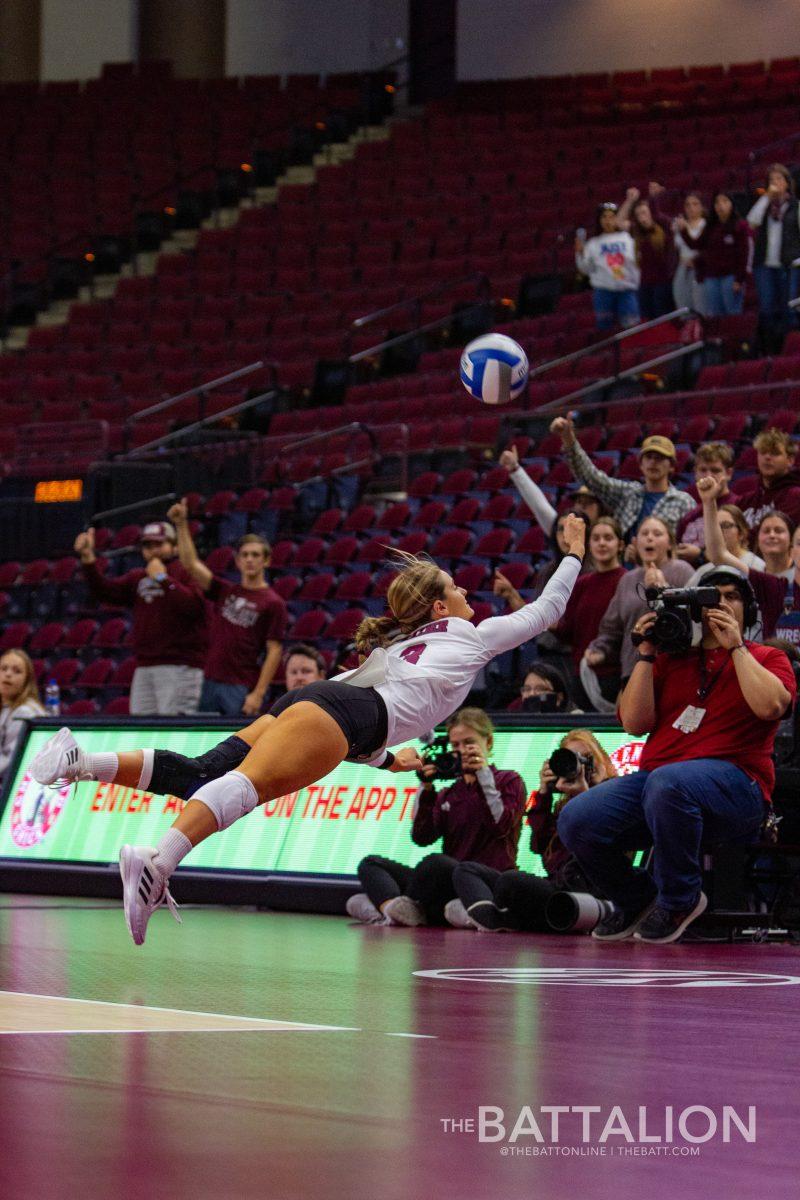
{"points": [[711, 713], [478, 816], [516, 900]]}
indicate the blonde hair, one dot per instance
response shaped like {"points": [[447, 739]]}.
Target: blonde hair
{"points": [[410, 597], [775, 441], [714, 452], [29, 689], [593, 747], [476, 720]]}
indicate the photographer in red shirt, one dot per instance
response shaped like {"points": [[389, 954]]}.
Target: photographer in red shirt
{"points": [[711, 713]]}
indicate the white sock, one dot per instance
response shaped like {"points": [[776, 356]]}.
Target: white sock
{"points": [[172, 847], [148, 758], [102, 766]]}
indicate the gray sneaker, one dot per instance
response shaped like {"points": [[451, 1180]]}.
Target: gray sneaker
{"points": [[361, 908], [620, 924], [666, 925], [402, 910]]}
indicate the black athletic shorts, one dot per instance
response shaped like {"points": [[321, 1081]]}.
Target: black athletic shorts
{"points": [[359, 712]]}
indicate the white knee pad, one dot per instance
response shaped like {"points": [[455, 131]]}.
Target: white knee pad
{"points": [[230, 797]]}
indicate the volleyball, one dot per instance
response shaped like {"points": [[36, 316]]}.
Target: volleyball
{"points": [[494, 368]]}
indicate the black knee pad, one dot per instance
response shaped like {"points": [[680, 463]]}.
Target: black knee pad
{"points": [[177, 775]]}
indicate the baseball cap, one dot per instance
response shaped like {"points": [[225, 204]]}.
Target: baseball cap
{"points": [[661, 445], [158, 531]]}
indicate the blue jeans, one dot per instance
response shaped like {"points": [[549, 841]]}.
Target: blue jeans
{"points": [[719, 297], [776, 286], [670, 808], [615, 308], [224, 698]]}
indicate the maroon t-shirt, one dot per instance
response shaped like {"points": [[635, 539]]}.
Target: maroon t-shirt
{"points": [[243, 620], [169, 617], [461, 817], [585, 609], [770, 594], [730, 729]]}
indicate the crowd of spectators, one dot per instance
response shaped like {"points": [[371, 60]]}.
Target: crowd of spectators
{"points": [[643, 262]]}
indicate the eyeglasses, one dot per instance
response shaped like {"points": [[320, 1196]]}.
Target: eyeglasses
{"points": [[536, 690], [727, 525]]}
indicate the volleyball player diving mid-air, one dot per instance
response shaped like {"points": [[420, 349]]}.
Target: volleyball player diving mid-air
{"points": [[422, 661]]}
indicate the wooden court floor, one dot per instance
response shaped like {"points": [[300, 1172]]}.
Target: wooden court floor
{"points": [[250, 1054]]}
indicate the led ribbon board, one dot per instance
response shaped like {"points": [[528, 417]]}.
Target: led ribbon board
{"points": [[323, 829]]}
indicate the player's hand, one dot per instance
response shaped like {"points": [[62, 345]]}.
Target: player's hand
{"points": [[178, 514], [564, 427], [510, 459], [737, 287], [408, 759], [655, 189], [688, 553], [632, 195], [629, 555], [723, 624], [575, 534], [594, 658], [642, 625], [84, 546], [251, 705], [155, 567]]}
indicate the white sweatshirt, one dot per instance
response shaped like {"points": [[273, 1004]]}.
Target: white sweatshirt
{"points": [[610, 262], [425, 677]]}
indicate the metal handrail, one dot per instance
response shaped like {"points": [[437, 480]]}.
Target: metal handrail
{"points": [[614, 340], [585, 392], [412, 333], [197, 391], [742, 389], [479, 277], [159, 443]]}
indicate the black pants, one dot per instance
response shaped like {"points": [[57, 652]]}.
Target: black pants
{"points": [[522, 896], [430, 882]]}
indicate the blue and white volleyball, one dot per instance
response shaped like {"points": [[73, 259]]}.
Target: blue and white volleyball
{"points": [[485, 366]]}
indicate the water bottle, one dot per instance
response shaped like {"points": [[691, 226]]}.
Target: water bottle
{"points": [[52, 699]]}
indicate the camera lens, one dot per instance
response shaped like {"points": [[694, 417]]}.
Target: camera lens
{"points": [[564, 764]]}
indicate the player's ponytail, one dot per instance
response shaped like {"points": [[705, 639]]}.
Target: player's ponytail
{"points": [[410, 597]]}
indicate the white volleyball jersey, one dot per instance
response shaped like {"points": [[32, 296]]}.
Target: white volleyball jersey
{"points": [[425, 677]]}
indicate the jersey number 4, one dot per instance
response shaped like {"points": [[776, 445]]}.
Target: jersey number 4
{"points": [[413, 653]]}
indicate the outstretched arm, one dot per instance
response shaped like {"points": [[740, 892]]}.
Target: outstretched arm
{"points": [[187, 552], [530, 492], [716, 550], [499, 634]]}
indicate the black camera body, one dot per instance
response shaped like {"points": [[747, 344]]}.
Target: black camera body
{"points": [[566, 764], [446, 761], [678, 609]]}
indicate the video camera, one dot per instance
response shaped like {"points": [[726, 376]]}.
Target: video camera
{"points": [[678, 609], [446, 761]]}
